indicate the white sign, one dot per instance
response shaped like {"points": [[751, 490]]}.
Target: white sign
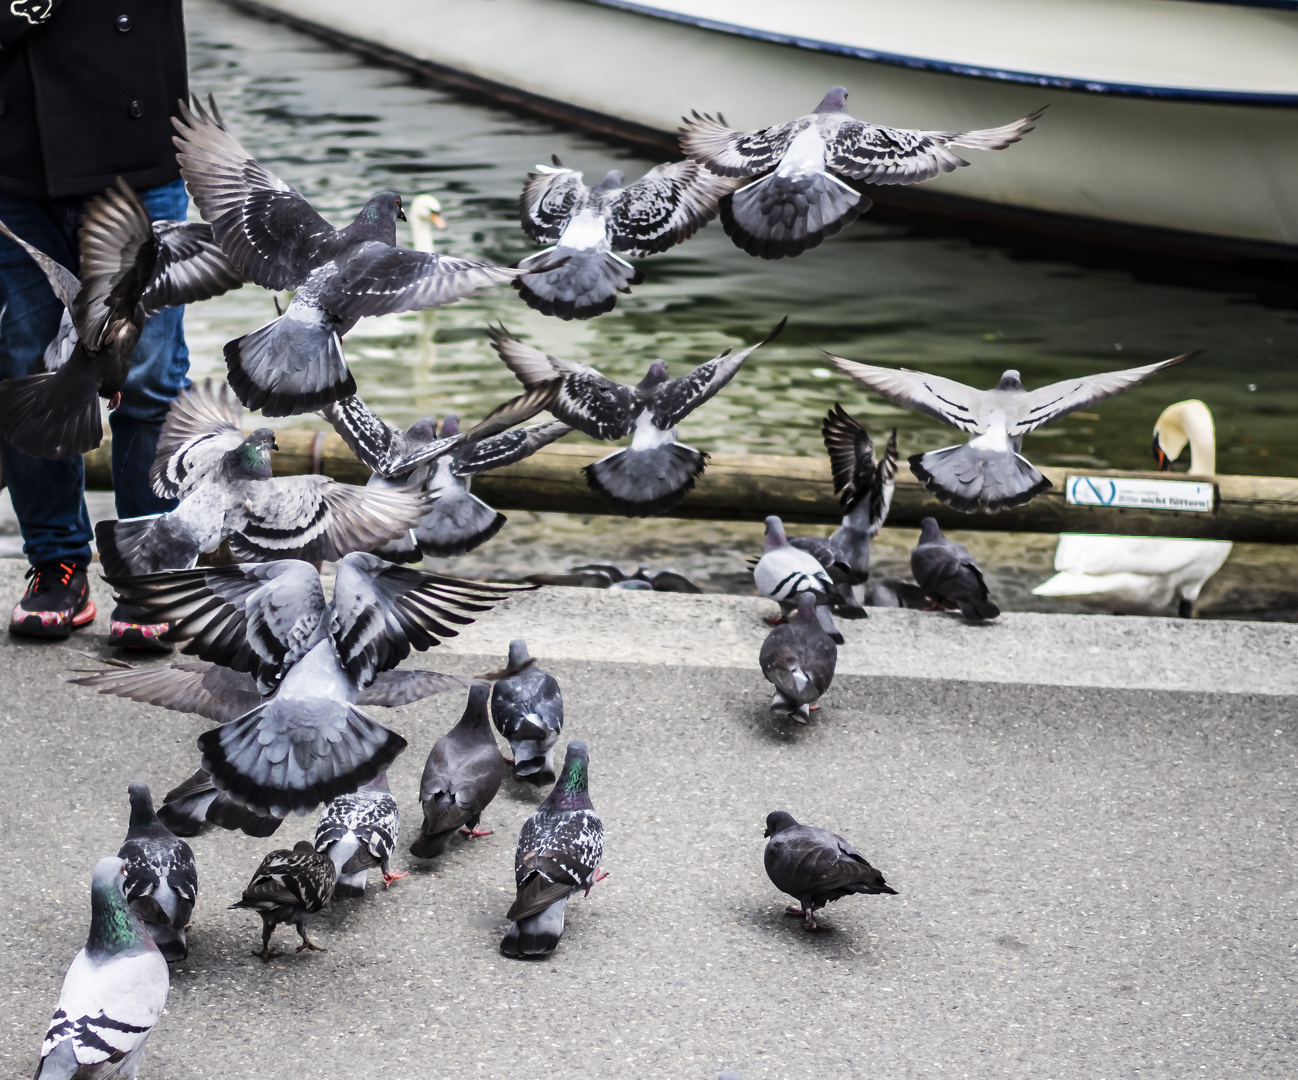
{"points": [[1136, 494]]}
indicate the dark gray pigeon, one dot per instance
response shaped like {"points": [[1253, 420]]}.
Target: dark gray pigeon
{"points": [[462, 775], [815, 867], [608, 576], [655, 472], [196, 802], [589, 226], [988, 473], [798, 659], [272, 236], [357, 831], [289, 887], [161, 878], [784, 571], [527, 709], [947, 572], [810, 173], [559, 849]]}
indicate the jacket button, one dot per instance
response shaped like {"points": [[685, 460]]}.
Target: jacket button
{"points": [[136, 110], [123, 23]]}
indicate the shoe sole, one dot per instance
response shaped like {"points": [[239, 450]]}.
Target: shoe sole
{"points": [[141, 638], [52, 624]]}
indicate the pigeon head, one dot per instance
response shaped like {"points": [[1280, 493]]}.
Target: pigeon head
{"points": [[518, 655], [928, 531], [450, 426], [250, 460], [806, 612], [775, 537], [835, 100], [572, 790], [423, 430], [613, 180], [144, 822], [1010, 381], [113, 928], [475, 710], [779, 820], [655, 376], [378, 219]]}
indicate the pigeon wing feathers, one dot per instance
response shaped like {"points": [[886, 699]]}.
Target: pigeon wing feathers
{"points": [[393, 688], [851, 455], [207, 690], [550, 198], [118, 255], [190, 266], [678, 398], [667, 205], [62, 281], [706, 139], [379, 446], [509, 447], [885, 483], [203, 423], [1048, 403], [944, 399], [531, 366]]}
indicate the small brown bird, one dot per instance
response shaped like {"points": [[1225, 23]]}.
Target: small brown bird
{"points": [[289, 887]]}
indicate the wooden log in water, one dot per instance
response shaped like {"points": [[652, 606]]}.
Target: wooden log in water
{"points": [[747, 487]]}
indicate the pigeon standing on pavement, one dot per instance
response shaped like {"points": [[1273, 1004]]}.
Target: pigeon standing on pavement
{"points": [[113, 993], [462, 775], [289, 887], [527, 709], [798, 659], [559, 849], [357, 831], [947, 572], [988, 473], [808, 174], [815, 867], [161, 878], [783, 571]]}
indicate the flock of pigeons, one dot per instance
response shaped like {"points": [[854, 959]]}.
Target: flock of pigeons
{"points": [[287, 675]]}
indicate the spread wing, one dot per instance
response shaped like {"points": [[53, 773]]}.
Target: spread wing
{"points": [[118, 257], [207, 690], [550, 198], [676, 399], [944, 399], [379, 446], [190, 266], [670, 203], [1047, 403], [62, 280], [512, 446], [706, 139], [203, 424], [851, 460]]}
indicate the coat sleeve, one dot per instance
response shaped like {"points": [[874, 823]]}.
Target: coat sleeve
{"points": [[21, 17]]}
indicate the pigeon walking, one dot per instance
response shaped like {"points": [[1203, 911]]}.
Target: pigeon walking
{"points": [[590, 226], [113, 993], [462, 775], [988, 473], [527, 709], [784, 571], [271, 234], [798, 659], [947, 572], [161, 878], [559, 849], [815, 867], [810, 173], [289, 887], [357, 831], [655, 472]]}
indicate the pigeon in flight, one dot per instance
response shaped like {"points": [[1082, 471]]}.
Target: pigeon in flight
{"points": [[593, 227], [798, 659], [357, 831], [527, 709], [463, 772], [784, 571], [271, 234], [655, 472], [947, 572], [988, 473], [289, 887], [161, 878], [815, 867], [559, 849], [130, 265], [196, 802], [113, 993], [809, 174]]}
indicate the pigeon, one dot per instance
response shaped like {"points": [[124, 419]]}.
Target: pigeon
{"points": [[810, 173], [815, 867], [308, 742], [226, 491], [113, 993], [895, 593], [462, 775], [357, 831], [783, 571], [129, 265], [161, 878], [527, 709], [608, 576], [289, 887], [559, 849], [589, 225], [988, 473], [271, 234], [655, 472], [798, 659], [947, 572], [196, 802]]}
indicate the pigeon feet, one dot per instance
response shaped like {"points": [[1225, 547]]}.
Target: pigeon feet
{"points": [[388, 879], [794, 911], [267, 955], [600, 875], [773, 620], [306, 944], [475, 832], [114, 401]]}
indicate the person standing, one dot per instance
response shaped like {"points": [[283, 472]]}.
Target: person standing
{"points": [[87, 91]]}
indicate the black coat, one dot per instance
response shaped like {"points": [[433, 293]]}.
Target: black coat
{"points": [[87, 91]]}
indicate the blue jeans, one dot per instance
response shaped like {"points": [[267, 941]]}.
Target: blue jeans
{"points": [[48, 496]]}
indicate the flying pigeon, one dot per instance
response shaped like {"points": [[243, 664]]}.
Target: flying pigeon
{"points": [[129, 265], [654, 473], [270, 233], [811, 172], [357, 831], [196, 802], [947, 572], [988, 473], [559, 849], [113, 993], [798, 659], [588, 226], [783, 571], [815, 867], [161, 878], [462, 775], [289, 887], [527, 709], [308, 742]]}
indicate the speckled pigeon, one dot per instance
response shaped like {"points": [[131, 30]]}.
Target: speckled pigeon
{"points": [[289, 887], [798, 659], [946, 571], [357, 831], [527, 709], [161, 878]]}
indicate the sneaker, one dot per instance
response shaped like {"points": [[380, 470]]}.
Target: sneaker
{"points": [[56, 602], [125, 631]]}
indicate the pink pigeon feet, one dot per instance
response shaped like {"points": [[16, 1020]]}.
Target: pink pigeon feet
{"points": [[475, 832], [114, 401], [600, 875], [388, 879], [773, 620]]}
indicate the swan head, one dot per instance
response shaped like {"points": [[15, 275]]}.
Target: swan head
{"points": [[1186, 422], [425, 216]]}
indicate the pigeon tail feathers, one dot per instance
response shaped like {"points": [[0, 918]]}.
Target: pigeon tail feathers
{"points": [[457, 523], [52, 416], [640, 483], [537, 935], [779, 216], [974, 480], [144, 545], [583, 287], [318, 375]]}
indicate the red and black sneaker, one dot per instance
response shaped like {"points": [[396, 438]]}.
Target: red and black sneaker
{"points": [[128, 630], [56, 602]]}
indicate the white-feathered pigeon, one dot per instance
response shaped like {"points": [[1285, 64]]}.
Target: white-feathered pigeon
{"points": [[812, 171], [161, 878], [947, 572], [289, 887], [783, 571], [527, 709], [815, 867], [113, 993], [988, 473], [357, 831], [798, 659]]}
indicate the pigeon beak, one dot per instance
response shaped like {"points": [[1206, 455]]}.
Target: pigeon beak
{"points": [[401, 213], [436, 220], [1164, 462], [766, 832], [274, 445]]}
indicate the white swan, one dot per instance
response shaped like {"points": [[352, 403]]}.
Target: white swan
{"points": [[425, 214], [1139, 575]]}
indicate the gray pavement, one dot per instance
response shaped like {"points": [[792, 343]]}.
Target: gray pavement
{"points": [[1095, 881]]}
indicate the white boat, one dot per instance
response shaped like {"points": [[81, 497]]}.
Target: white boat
{"points": [[1171, 125]]}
